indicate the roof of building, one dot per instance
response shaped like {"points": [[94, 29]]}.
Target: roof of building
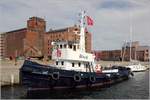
{"points": [[37, 18], [62, 29], [17, 30]]}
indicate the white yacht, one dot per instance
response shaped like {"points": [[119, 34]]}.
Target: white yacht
{"points": [[136, 67]]}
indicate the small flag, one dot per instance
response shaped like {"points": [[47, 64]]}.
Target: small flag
{"points": [[58, 53], [89, 21]]}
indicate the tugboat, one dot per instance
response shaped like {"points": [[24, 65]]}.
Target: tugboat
{"points": [[74, 68]]}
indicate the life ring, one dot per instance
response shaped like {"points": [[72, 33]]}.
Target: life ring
{"points": [[77, 77], [55, 75], [92, 79]]}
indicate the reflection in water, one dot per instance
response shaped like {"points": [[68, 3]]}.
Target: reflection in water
{"points": [[136, 87], [69, 94], [12, 92]]}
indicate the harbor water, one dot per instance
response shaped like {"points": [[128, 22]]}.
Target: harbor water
{"points": [[136, 87]]}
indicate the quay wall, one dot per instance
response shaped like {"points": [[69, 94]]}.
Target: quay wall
{"points": [[9, 72]]}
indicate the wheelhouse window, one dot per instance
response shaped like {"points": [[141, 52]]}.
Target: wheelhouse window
{"points": [[70, 46], [79, 64], [72, 64], [74, 47], [62, 63], [60, 46], [65, 45], [56, 62]]}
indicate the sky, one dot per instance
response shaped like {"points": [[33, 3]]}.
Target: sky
{"points": [[113, 19]]}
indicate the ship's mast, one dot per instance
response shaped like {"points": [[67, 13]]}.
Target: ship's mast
{"points": [[82, 32]]}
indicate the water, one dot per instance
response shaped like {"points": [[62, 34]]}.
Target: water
{"points": [[134, 88]]}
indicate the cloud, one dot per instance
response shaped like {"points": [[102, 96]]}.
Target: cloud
{"points": [[113, 4], [111, 18]]}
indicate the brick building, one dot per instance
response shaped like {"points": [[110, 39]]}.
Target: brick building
{"points": [[14, 42], [2, 45], [65, 34], [34, 41], [143, 53], [108, 55], [126, 50], [26, 41], [138, 52]]}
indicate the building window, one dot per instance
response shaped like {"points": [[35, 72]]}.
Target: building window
{"points": [[72, 64], [79, 64], [62, 63], [56, 62]]}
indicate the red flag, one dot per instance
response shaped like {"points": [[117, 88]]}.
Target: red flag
{"points": [[89, 21], [58, 53]]}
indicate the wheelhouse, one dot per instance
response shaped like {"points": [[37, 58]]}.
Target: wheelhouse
{"points": [[67, 55]]}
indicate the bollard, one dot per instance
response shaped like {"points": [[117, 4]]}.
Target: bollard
{"points": [[12, 79]]}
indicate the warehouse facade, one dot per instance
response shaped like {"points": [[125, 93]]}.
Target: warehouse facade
{"points": [[34, 41]]}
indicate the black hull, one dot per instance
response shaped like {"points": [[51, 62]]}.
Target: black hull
{"points": [[38, 77]]}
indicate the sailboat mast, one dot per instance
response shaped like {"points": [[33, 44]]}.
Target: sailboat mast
{"points": [[131, 31]]}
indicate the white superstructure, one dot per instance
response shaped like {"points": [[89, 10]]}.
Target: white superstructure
{"points": [[71, 55]]}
